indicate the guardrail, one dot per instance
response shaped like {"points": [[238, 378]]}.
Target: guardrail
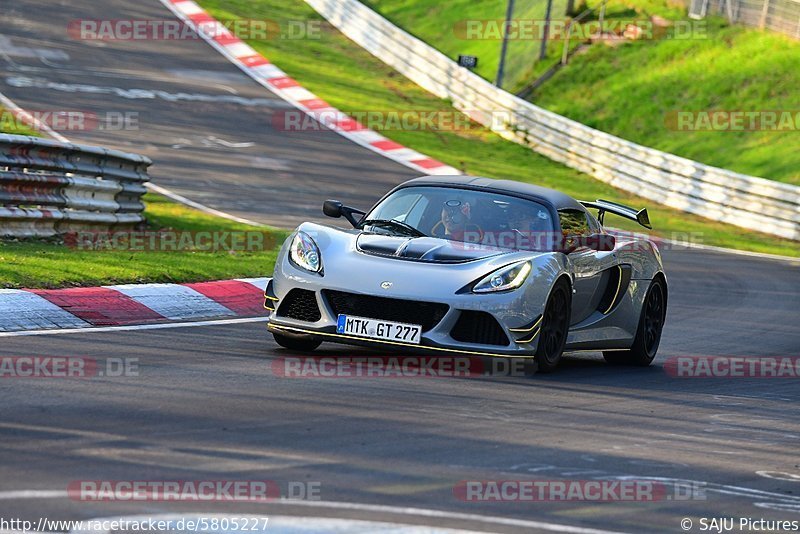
{"points": [[48, 187], [718, 194], [776, 15]]}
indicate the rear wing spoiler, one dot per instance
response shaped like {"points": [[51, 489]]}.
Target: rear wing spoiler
{"points": [[603, 206]]}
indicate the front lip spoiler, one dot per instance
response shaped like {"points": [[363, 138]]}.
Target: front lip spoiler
{"points": [[371, 342]]}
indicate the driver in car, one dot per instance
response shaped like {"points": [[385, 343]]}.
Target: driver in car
{"points": [[455, 222]]}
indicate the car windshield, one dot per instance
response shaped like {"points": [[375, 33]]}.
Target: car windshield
{"points": [[464, 216]]}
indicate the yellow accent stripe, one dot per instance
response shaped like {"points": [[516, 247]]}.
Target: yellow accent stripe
{"points": [[570, 351], [272, 298], [530, 338], [523, 330], [425, 347], [616, 293]]}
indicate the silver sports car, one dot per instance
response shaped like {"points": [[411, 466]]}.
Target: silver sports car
{"points": [[475, 266]]}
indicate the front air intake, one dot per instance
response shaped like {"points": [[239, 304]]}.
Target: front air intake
{"points": [[478, 327], [300, 304]]}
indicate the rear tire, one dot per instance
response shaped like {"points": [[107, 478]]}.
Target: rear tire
{"points": [[648, 334], [302, 344], [555, 327]]}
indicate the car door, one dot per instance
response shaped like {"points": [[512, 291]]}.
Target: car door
{"points": [[590, 268]]}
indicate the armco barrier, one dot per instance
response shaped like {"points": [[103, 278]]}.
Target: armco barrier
{"points": [[49, 187], [718, 194]]}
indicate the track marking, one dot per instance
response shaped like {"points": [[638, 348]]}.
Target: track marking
{"points": [[158, 326], [30, 119], [24, 310], [32, 494], [24, 82], [779, 475], [174, 301], [201, 207], [8, 48], [779, 507], [724, 489]]}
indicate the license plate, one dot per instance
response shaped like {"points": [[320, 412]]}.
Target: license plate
{"points": [[378, 329]]}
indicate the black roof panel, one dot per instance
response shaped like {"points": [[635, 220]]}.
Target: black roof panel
{"points": [[558, 199]]}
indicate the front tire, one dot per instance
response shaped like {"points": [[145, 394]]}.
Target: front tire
{"points": [[302, 344], [555, 327], [648, 334]]}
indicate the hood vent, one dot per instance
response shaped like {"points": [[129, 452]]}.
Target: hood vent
{"points": [[428, 249]]}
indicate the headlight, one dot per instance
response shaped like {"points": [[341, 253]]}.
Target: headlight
{"points": [[508, 277], [304, 253]]}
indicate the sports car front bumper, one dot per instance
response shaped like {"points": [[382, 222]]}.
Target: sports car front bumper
{"points": [[495, 324]]}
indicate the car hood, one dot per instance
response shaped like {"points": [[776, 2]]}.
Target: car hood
{"points": [[428, 249], [347, 268]]}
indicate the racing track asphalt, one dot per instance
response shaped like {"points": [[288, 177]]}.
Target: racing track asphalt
{"points": [[207, 406]]}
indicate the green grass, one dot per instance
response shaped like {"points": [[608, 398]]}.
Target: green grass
{"points": [[670, 9], [52, 264], [9, 124], [633, 90], [328, 65]]}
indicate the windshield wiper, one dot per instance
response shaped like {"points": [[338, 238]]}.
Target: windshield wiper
{"points": [[406, 228]]}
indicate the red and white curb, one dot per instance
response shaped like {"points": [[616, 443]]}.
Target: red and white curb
{"points": [[131, 304], [278, 82]]}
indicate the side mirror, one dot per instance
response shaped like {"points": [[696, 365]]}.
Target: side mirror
{"points": [[335, 209], [332, 208], [601, 242]]}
